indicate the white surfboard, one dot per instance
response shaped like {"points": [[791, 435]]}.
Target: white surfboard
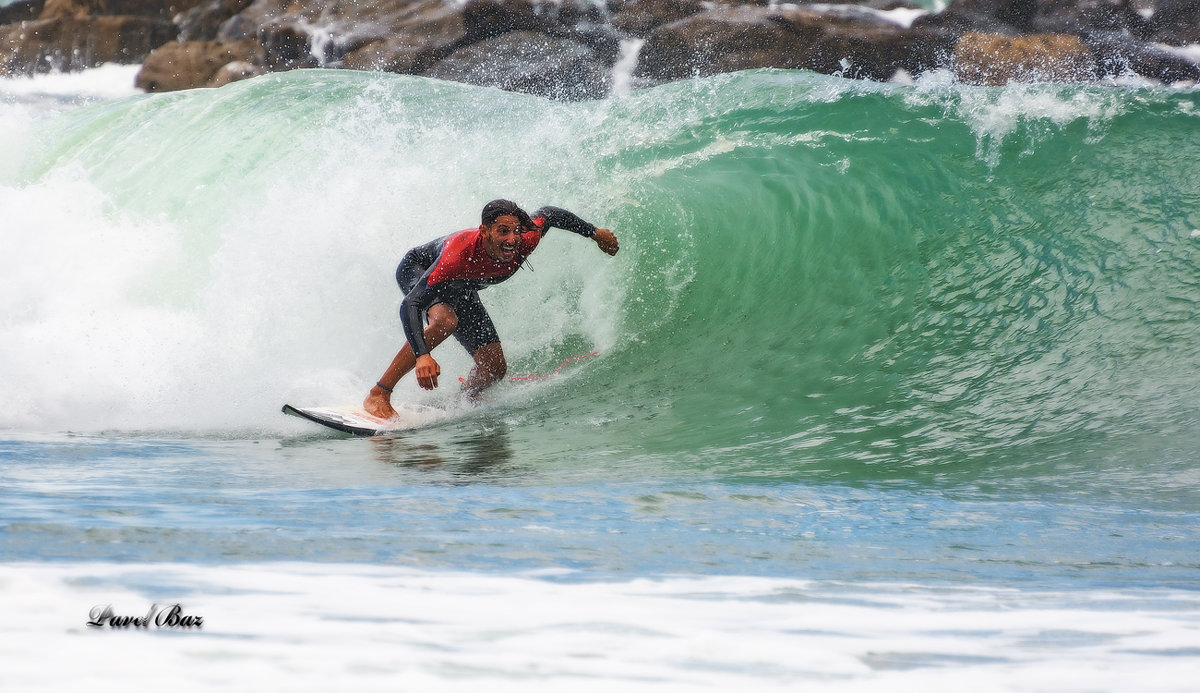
{"points": [[356, 421]]}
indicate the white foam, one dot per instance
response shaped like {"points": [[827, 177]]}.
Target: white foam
{"points": [[168, 270], [1189, 52], [109, 81], [623, 69], [350, 627], [995, 113], [901, 16]]}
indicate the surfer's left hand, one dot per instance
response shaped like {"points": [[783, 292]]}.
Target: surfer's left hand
{"points": [[606, 240]]}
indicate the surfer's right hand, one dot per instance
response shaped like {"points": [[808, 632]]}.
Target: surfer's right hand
{"points": [[428, 371], [607, 241]]}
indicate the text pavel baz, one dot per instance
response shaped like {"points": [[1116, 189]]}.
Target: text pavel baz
{"points": [[159, 616]]}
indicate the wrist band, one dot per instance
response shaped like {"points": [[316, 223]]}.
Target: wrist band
{"points": [[383, 387]]}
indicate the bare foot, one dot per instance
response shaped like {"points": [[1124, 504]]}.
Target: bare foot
{"points": [[377, 404]]}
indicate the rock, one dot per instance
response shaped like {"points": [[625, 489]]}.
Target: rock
{"points": [[158, 9], [288, 45], [196, 63], [414, 42], [1118, 56], [21, 11], [74, 43], [235, 72], [994, 59], [1080, 17], [984, 16], [487, 18], [641, 17], [1119, 37], [529, 62], [1175, 22], [567, 48], [202, 22], [796, 37], [577, 20]]}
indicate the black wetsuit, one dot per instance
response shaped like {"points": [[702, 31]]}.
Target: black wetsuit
{"points": [[453, 268]]}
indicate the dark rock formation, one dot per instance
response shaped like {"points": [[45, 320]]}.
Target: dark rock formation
{"points": [[203, 22], [738, 38], [23, 11], [1175, 22], [529, 62], [641, 18], [567, 49]]}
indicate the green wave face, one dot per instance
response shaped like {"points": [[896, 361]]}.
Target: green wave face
{"points": [[814, 272]]}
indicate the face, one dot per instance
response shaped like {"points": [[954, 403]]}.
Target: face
{"points": [[500, 238]]}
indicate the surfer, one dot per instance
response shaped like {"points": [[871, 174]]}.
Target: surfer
{"points": [[441, 282]]}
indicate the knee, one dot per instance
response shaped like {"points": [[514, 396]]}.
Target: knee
{"points": [[492, 361]]}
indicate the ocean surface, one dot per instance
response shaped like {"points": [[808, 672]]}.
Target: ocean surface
{"points": [[896, 388]]}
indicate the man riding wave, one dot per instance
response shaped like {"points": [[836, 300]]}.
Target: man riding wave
{"points": [[441, 282]]}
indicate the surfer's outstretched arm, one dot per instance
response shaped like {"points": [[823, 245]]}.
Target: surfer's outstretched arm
{"points": [[549, 216]]}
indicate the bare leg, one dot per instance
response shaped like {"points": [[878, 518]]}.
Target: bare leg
{"points": [[490, 367], [442, 323]]}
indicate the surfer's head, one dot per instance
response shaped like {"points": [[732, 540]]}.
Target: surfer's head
{"points": [[503, 224], [499, 208]]}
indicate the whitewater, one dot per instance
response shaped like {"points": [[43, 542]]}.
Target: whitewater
{"points": [[894, 387]]}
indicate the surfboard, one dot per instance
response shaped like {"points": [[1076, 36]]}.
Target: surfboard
{"points": [[356, 421]]}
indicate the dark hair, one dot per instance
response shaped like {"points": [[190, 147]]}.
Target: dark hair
{"points": [[498, 208]]}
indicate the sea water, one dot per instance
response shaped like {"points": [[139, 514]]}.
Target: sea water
{"points": [[895, 388]]}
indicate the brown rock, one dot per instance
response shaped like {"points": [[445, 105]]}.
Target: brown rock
{"points": [[72, 43], [994, 59], [740, 38], [235, 72], [195, 64], [160, 9], [57, 9]]}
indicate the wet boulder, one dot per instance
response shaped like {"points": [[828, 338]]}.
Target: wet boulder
{"points": [[76, 43], [794, 37], [413, 42], [195, 64], [1175, 22], [21, 11], [203, 22], [996, 59], [157, 9], [528, 62], [642, 17]]}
